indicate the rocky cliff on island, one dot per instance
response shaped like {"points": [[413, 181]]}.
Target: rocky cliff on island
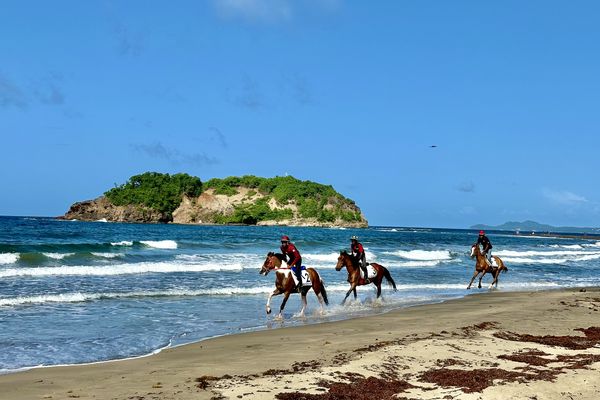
{"points": [[184, 199]]}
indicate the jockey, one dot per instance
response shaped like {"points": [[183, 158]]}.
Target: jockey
{"points": [[293, 258], [358, 253], [487, 246]]}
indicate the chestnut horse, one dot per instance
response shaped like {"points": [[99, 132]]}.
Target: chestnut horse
{"points": [[481, 266], [284, 283], [354, 278]]}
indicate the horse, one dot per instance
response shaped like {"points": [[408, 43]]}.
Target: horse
{"points": [[354, 278], [284, 283], [481, 266]]}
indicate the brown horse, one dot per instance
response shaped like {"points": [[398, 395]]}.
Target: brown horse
{"points": [[481, 266], [284, 283], [354, 278]]}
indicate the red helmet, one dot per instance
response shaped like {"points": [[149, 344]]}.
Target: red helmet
{"points": [[481, 232], [285, 238]]}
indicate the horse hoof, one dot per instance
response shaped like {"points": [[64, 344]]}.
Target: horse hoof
{"points": [[269, 311]]}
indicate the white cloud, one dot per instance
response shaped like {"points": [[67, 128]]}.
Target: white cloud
{"points": [[564, 197]]}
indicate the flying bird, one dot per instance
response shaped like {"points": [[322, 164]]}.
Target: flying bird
{"points": [[433, 145]]}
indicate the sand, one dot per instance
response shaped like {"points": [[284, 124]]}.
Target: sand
{"points": [[489, 345]]}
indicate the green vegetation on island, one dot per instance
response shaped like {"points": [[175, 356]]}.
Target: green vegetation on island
{"points": [[313, 200], [161, 192], [182, 198]]}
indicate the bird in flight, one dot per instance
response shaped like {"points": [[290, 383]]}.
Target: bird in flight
{"points": [[433, 145]]}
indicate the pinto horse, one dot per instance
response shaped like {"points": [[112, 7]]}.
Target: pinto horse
{"points": [[284, 283], [481, 266], [354, 278]]}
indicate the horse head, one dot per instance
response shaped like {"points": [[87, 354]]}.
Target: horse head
{"points": [[343, 260], [272, 261], [475, 251]]}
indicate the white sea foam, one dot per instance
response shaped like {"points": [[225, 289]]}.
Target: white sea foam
{"points": [[421, 255], [9, 258], [570, 246], [78, 297], [529, 253], [123, 243], [552, 260], [430, 263], [119, 269], [330, 257], [58, 256], [107, 255], [160, 244]]}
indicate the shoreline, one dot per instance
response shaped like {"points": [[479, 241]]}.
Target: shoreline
{"points": [[268, 363]]}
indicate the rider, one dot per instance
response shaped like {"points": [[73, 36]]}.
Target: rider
{"points": [[293, 258], [358, 253], [487, 246]]}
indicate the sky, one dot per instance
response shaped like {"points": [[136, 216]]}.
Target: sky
{"points": [[352, 94]]}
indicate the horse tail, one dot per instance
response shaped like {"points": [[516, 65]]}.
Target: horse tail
{"points": [[504, 267], [324, 292], [388, 277]]}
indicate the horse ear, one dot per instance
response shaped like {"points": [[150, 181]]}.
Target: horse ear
{"points": [[270, 254]]}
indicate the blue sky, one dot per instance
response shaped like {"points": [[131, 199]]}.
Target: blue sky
{"points": [[347, 93]]}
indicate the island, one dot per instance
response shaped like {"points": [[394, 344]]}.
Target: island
{"points": [[154, 197]]}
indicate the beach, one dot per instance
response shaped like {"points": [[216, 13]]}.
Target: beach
{"points": [[509, 345]]}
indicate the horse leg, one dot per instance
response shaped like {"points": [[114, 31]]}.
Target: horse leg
{"points": [[304, 304], [378, 289], [472, 279], [481, 277], [352, 288], [285, 299], [354, 291], [319, 294], [275, 293]]}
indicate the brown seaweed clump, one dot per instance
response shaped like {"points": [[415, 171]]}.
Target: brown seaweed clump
{"points": [[591, 339], [359, 389], [469, 380]]}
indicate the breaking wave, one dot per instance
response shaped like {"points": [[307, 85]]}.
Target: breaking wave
{"points": [[9, 258]]}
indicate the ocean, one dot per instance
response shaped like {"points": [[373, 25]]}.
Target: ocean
{"points": [[76, 292]]}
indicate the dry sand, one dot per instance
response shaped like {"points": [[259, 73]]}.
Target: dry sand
{"points": [[495, 345]]}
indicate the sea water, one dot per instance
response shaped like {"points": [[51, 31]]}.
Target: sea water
{"points": [[77, 292]]}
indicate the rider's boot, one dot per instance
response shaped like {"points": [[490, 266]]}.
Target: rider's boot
{"points": [[367, 280]]}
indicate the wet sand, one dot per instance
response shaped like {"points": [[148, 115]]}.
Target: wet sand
{"points": [[490, 345]]}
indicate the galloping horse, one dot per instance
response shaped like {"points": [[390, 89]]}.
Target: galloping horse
{"points": [[346, 260], [284, 283], [481, 266]]}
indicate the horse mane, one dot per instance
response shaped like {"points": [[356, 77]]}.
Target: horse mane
{"points": [[343, 253], [279, 256]]}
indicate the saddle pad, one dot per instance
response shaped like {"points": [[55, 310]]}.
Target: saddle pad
{"points": [[305, 277], [370, 272]]}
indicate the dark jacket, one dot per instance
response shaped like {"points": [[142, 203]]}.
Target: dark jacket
{"points": [[485, 243]]}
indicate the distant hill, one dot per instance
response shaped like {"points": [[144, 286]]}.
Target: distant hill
{"points": [[248, 200], [527, 226]]}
